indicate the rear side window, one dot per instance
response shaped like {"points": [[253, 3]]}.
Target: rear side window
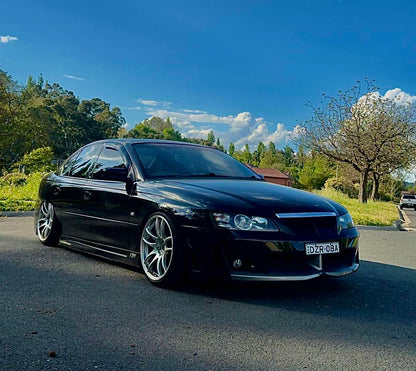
{"points": [[110, 165], [68, 164], [80, 164]]}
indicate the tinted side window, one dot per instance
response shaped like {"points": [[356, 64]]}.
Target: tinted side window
{"points": [[85, 161], [110, 166], [66, 167]]}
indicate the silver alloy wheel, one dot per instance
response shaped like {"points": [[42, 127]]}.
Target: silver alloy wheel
{"points": [[45, 220], [156, 247]]}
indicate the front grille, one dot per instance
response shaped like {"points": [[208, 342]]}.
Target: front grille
{"points": [[310, 226]]}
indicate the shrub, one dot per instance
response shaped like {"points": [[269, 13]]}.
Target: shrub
{"points": [[39, 160], [343, 185], [23, 197], [14, 179]]}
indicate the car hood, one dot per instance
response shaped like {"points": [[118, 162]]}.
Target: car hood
{"points": [[243, 195]]}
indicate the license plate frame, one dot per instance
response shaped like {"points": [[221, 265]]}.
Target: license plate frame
{"points": [[320, 248]]}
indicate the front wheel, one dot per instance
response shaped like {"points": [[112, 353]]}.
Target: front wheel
{"points": [[47, 226], [161, 254]]}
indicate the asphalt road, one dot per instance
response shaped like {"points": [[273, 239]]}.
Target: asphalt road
{"points": [[99, 316], [411, 215]]}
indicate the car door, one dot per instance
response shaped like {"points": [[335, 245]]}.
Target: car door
{"points": [[107, 203], [67, 194]]}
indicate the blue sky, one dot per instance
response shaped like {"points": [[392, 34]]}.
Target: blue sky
{"points": [[242, 68]]}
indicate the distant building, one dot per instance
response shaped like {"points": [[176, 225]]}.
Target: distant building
{"points": [[273, 176]]}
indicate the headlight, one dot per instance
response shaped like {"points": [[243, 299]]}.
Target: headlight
{"points": [[243, 222], [345, 222]]}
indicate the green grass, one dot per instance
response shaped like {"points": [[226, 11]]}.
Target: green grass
{"points": [[376, 213], [20, 198]]}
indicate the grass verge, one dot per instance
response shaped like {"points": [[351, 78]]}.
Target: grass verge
{"points": [[20, 197], [375, 213]]}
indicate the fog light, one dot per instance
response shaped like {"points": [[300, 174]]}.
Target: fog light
{"points": [[237, 263]]}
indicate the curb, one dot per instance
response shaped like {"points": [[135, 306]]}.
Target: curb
{"points": [[404, 223]]}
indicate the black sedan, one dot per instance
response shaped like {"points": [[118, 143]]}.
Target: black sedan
{"points": [[179, 209]]}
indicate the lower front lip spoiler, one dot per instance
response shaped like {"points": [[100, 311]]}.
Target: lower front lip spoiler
{"points": [[267, 278]]}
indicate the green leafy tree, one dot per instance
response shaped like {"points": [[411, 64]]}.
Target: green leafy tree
{"points": [[38, 160], [145, 132], [231, 149], [171, 134], [210, 139], [258, 154], [272, 158], [363, 129], [315, 172]]}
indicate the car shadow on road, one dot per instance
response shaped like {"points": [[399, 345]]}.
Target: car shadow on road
{"points": [[379, 291]]}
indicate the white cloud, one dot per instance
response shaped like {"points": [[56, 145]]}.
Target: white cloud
{"points": [[152, 103], [8, 38], [132, 108], [400, 96], [193, 111], [74, 78], [396, 94], [147, 102], [240, 129]]}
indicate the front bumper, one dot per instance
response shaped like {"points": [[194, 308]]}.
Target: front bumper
{"points": [[303, 277], [252, 257]]}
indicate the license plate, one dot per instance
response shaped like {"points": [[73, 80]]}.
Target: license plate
{"points": [[321, 248]]}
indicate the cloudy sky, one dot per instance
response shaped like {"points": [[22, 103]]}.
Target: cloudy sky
{"points": [[245, 69]]}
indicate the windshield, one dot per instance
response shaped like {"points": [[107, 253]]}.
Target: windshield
{"points": [[161, 160]]}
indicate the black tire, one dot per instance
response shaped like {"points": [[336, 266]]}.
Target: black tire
{"points": [[161, 251], [48, 227], [401, 207]]}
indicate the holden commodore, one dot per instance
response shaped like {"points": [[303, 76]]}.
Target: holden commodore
{"points": [[178, 209]]}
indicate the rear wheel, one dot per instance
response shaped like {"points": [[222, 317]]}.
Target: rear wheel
{"points": [[47, 226], [161, 254]]}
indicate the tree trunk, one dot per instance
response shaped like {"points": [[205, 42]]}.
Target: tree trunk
{"points": [[363, 194], [375, 187]]}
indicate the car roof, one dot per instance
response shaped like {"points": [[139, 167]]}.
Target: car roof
{"points": [[155, 141]]}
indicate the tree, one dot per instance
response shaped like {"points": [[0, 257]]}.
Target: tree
{"points": [[171, 134], [362, 129], [272, 158], [24, 121], [219, 145], [315, 172], [9, 119], [39, 159], [40, 115], [155, 128], [157, 123], [210, 139], [231, 149], [102, 122], [145, 132], [258, 154]]}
